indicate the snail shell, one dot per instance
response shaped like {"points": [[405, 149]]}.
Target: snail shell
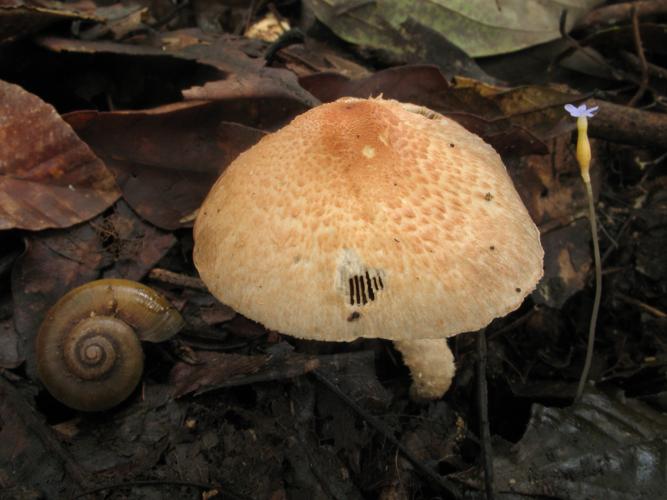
{"points": [[88, 348]]}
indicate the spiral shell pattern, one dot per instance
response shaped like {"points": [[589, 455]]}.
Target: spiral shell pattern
{"points": [[88, 349]]}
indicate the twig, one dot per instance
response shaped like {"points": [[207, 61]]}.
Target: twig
{"points": [[621, 12], [592, 55], [446, 485], [636, 36], [621, 232], [642, 305], [616, 123], [598, 293], [287, 38], [177, 279], [483, 408], [653, 69]]}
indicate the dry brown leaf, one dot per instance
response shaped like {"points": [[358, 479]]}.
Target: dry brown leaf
{"points": [[167, 158], [48, 177]]}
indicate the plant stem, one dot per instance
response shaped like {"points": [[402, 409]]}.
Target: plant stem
{"points": [[598, 292]]}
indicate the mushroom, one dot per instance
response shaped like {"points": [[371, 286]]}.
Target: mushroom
{"points": [[370, 218]]}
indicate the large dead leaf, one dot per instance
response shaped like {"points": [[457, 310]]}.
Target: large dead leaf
{"points": [[240, 75], [48, 176], [478, 27], [167, 158], [602, 447]]}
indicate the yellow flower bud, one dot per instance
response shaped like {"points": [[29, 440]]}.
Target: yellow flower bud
{"points": [[583, 148]]}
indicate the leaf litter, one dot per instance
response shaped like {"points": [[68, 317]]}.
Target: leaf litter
{"points": [[48, 176], [605, 445], [160, 100]]}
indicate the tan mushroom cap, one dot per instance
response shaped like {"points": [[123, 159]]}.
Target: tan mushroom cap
{"points": [[368, 218]]}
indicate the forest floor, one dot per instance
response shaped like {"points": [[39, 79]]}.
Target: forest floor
{"points": [[117, 118]]}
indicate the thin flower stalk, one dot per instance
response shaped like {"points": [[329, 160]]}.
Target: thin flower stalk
{"points": [[582, 113]]}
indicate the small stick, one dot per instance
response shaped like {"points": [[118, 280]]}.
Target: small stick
{"points": [[653, 69], [425, 470], [483, 408], [621, 12], [618, 123], [654, 311], [636, 36], [287, 38], [621, 232], [593, 56], [177, 279]]}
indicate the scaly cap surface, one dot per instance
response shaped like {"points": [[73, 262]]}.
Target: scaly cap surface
{"points": [[368, 218]]}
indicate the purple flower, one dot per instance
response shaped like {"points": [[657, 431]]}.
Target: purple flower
{"points": [[581, 110]]}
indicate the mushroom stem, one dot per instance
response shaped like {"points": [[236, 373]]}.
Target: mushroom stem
{"points": [[431, 364]]}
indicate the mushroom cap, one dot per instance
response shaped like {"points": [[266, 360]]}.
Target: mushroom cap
{"points": [[368, 218]]}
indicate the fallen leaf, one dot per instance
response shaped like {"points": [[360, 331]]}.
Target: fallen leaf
{"points": [[48, 177], [567, 263], [537, 108], [224, 53], [118, 19], [246, 77], [602, 447], [165, 159], [550, 185], [477, 27]]}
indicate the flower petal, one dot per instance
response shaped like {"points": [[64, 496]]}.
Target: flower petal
{"points": [[590, 112], [572, 110], [581, 110]]}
